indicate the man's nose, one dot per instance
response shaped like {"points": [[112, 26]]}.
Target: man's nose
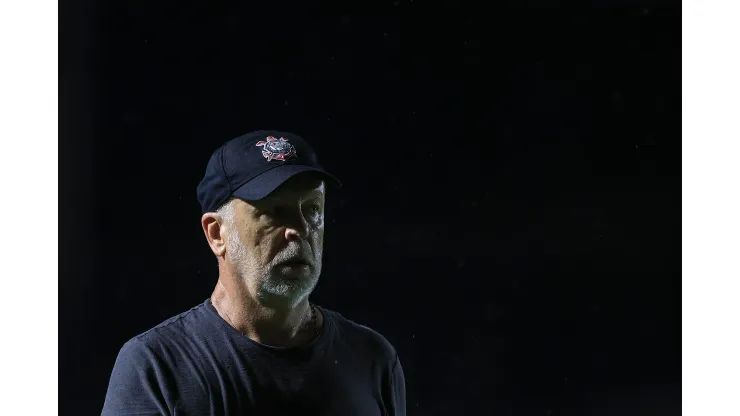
{"points": [[297, 229]]}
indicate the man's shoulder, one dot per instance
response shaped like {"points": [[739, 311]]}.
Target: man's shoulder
{"points": [[171, 331], [147, 363], [361, 337]]}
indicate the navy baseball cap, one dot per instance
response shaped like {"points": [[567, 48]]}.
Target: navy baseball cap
{"points": [[253, 165]]}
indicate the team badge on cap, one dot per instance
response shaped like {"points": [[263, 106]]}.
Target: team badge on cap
{"points": [[277, 149]]}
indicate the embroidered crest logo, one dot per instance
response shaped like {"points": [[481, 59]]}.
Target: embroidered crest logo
{"points": [[277, 149]]}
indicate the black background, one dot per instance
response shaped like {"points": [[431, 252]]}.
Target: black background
{"points": [[510, 217]]}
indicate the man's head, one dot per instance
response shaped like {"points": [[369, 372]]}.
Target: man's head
{"points": [[273, 247], [268, 227]]}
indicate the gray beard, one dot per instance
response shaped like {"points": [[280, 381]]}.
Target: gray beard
{"points": [[271, 289]]}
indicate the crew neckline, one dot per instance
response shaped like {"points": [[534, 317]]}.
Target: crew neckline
{"points": [[325, 328]]}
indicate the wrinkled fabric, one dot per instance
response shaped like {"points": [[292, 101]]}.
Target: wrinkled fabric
{"points": [[197, 364]]}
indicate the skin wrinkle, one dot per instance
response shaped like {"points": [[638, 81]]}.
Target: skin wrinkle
{"points": [[267, 301]]}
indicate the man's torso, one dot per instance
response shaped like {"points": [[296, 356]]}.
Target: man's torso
{"points": [[196, 364]]}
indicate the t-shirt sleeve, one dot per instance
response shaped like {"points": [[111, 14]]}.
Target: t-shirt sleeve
{"points": [[135, 386], [395, 395]]}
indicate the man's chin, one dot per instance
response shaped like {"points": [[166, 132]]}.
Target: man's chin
{"points": [[289, 283], [285, 291]]}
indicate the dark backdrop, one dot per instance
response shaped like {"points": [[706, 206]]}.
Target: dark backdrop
{"points": [[510, 218]]}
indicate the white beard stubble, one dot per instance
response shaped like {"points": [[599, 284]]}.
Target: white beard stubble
{"points": [[270, 288]]}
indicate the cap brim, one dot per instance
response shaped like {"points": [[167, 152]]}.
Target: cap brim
{"points": [[264, 184]]}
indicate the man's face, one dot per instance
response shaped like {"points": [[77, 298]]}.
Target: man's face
{"points": [[275, 245]]}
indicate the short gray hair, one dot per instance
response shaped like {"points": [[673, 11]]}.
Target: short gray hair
{"points": [[226, 211]]}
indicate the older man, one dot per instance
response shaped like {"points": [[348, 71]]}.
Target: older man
{"points": [[258, 346]]}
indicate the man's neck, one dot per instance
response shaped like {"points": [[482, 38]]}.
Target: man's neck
{"points": [[270, 326]]}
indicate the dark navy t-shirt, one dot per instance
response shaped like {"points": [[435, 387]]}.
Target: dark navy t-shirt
{"points": [[197, 364]]}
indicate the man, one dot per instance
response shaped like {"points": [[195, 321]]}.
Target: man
{"points": [[258, 346]]}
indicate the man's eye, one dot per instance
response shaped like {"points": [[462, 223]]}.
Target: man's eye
{"points": [[269, 215]]}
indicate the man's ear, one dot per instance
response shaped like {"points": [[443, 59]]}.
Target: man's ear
{"points": [[211, 223]]}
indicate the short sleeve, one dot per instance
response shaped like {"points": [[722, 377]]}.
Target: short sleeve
{"points": [[395, 395], [136, 383]]}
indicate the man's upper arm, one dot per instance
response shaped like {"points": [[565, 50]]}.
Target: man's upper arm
{"points": [[135, 386]]}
